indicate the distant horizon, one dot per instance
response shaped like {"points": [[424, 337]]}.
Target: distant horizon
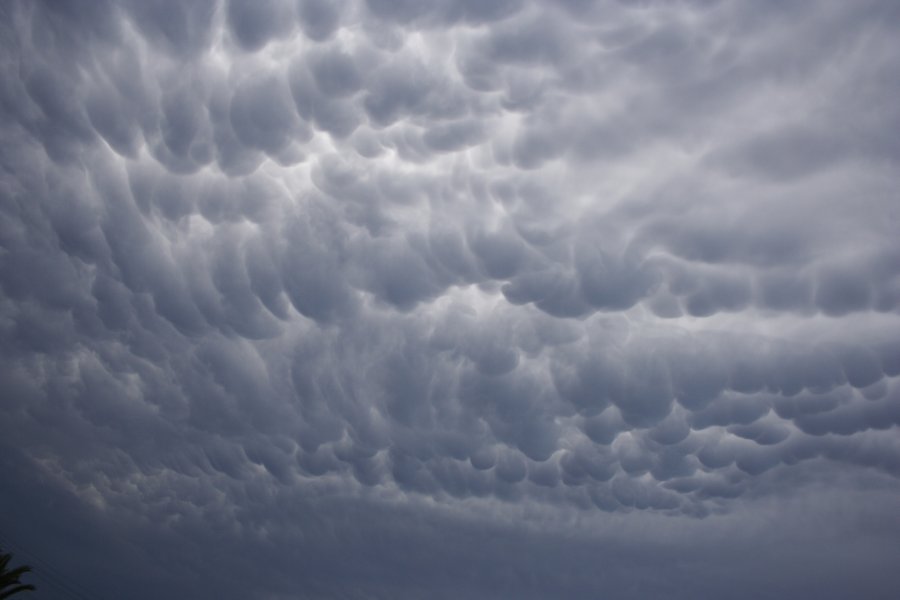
{"points": [[396, 299]]}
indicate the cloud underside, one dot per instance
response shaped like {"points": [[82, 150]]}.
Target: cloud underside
{"points": [[582, 260]]}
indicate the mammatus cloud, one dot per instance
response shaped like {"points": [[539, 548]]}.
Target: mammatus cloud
{"points": [[457, 298]]}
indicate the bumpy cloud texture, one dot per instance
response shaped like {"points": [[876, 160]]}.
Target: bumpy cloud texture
{"points": [[399, 299]]}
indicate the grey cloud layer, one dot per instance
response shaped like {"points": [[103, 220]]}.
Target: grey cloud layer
{"points": [[578, 259]]}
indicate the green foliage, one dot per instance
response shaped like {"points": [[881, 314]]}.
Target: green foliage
{"points": [[9, 578]]}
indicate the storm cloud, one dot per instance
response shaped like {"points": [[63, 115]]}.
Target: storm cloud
{"points": [[451, 299]]}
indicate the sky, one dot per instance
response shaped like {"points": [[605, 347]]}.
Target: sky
{"points": [[450, 299]]}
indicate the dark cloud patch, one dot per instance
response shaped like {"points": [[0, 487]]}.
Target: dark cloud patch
{"points": [[443, 13], [840, 291], [453, 136], [336, 116], [262, 116], [402, 91], [254, 24], [182, 29], [335, 74], [786, 154], [319, 18]]}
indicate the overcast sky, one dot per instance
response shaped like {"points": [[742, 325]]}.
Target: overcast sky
{"points": [[457, 299]]}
